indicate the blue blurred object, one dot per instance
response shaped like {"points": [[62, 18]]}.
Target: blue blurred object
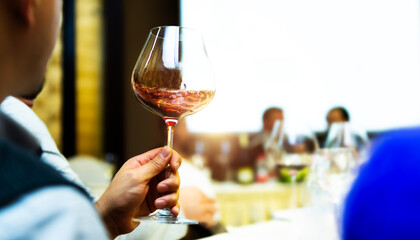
{"points": [[384, 202]]}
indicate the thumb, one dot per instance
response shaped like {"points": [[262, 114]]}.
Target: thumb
{"points": [[157, 164]]}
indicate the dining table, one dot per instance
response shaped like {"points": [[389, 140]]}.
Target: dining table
{"points": [[312, 222], [244, 204]]}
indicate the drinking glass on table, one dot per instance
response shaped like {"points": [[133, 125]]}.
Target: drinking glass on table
{"points": [[297, 145], [173, 78], [333, 171], [344, 135]]}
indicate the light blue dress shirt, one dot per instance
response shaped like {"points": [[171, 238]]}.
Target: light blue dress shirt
{"points": [[58, 212]]}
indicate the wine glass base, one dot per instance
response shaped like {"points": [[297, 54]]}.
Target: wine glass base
{"points": [[162, 216]]}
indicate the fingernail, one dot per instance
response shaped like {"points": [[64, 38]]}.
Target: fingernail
{"points": [[163, 188], [160, 203], [176, 209], [176, 165], [164, 153]]}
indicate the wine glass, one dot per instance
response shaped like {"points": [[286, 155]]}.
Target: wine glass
{"points": [[344, 135], [340, 135], [333, 172], [298, 144], [173, 78]]}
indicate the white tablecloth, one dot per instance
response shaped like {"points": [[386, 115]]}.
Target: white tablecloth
{"points": [[247, 204], [301, 224]]}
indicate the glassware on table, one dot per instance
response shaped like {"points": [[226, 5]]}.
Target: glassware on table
{"points": [[297, 144], [339, 135], [333, 171], [344, 135], [173, 78], [273, 147]]}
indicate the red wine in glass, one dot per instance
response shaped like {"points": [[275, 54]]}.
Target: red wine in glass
{"points": [[172, 104]]}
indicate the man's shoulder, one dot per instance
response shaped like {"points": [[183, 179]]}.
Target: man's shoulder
{"points": [[64, 198], [11, 131], [23, 172], [55, 212]]}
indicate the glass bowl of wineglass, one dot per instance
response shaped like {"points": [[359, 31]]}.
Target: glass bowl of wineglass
{"points": [[173, 79]]}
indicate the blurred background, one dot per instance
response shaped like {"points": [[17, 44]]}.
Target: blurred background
{"points": [[304, 57]]}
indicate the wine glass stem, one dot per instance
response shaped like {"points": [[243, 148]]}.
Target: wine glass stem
{"points": [[170, 143], [170, 124], [170, 140], [166, 212]]}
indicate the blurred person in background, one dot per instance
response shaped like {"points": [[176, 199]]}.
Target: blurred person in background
{"points": [[341, 132], [258, 144], [338, 119], [269, 117], [258, 141], [36, 201], [337, 115]]}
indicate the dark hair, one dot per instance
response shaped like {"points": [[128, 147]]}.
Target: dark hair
{"points": [[344, 113], [269, 111]]}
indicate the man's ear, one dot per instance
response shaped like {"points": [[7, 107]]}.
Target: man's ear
{"points": [[25, 10]]}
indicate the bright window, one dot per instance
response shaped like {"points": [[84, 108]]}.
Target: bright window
{"points": [[307, 56]]}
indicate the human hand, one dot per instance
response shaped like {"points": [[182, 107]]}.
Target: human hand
{"points": [[136, 190], [197, 206]]}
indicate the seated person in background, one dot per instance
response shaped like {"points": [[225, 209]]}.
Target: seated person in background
{"points": [[258, 144], [258, 141], [384, 202], [337, 115], [340, 132]]}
